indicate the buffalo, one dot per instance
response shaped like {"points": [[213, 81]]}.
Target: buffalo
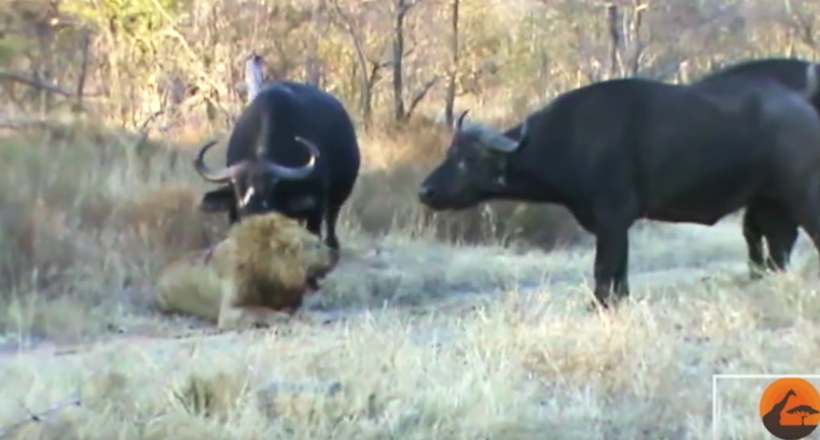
{"points": [[621, 150], [765, 220], [789, 72], [294, 151]]}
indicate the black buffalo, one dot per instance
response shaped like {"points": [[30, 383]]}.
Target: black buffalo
{"points": [[768, 220], [294, 151], [790, 72], [621, 150]]}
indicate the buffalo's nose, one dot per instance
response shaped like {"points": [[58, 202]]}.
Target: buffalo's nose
{"points": [[425, 192]]}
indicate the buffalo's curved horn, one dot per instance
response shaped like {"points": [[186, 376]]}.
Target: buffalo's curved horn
{"points": [[221, 176], [490, 137], [460, 120], [291, 173], [497, 141]]}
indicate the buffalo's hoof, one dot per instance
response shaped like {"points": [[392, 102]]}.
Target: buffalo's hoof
{"points": [[755, 275], [290, 311], [597, 306], [312, 285], [335, 256]]}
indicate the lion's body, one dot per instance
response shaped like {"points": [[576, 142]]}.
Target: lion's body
{"points": [[264, 267]]}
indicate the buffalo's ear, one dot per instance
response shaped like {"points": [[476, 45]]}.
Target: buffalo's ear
{"points": [[219, 200]]}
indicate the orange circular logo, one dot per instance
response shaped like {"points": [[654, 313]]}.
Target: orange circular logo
{"points": [[790, 408]]}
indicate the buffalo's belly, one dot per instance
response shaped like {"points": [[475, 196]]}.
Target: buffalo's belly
{"points": [[705, 201], [692, 214], [703, 179]]}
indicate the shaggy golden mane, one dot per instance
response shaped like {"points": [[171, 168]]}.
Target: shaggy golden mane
{"points": [[273, 253], [266, 263]]}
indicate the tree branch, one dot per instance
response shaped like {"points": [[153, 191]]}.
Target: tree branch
{"points": [[83, 70], [420, 95], [31, 82]]}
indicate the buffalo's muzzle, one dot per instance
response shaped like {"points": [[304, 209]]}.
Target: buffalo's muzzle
{"points": [[425, 194]]}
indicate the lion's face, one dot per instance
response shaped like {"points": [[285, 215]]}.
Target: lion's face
{"points": [[320, 260]]}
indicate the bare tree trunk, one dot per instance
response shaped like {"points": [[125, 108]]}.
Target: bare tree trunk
{"points": [[402, 7], [367, 79], [254, 75], [626, 46], [402, 112], [78, 107], [451, 84], [313, 67], [44, 72], [614, 40], [633, 45]]}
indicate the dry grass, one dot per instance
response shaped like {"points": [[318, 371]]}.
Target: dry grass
{"points": [[422, 339], [86, 216], [458, 326]]}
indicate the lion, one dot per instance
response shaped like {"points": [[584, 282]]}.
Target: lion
{"points": [[258, 275]]}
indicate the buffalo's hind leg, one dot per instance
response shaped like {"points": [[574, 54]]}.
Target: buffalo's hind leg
{"points": [[780, 231], [781, 243], [754, 241], [806, 210], [769, 220]]}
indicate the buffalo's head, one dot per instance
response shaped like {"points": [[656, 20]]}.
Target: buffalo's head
{"points": [[473, 169], [251, 185]]}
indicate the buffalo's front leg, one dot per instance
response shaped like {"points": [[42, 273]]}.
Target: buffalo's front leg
{"points": [[314, 223], [621, 282], [611, 266], [331, 218], [233, 215]]}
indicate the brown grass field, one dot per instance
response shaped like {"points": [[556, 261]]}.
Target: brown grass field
{"points": [[410, 337], [468, 326]]}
